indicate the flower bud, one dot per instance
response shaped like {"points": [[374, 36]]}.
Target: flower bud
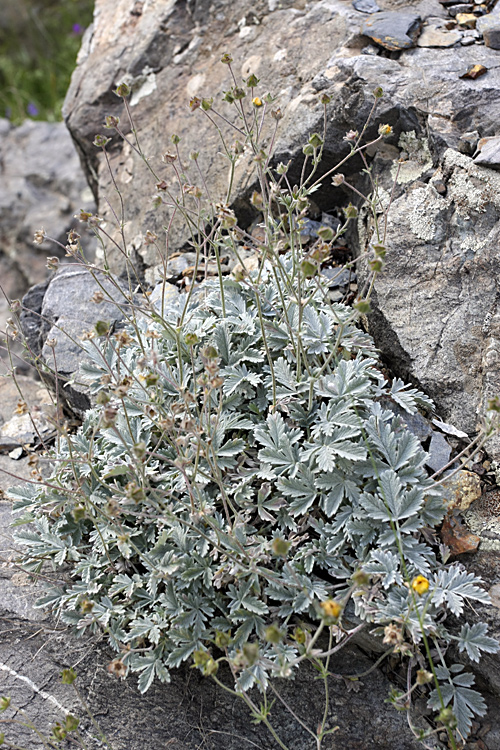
{"points": [[101, 327], [331, 608], [122, 90], [252, 81], [39, 236], [101, 141], [315, 140], [111, 121], [68, 676], [363, 307], [326, 234], [280, 547]]}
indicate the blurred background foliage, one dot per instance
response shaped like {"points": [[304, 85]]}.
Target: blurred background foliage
{"points": [[39, 42]]}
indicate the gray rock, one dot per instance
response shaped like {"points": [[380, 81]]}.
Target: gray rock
{"points": [[365, 6], [489, 27], [489, 152], [394, 30], [339, 277], [191, 711], [57, 315], [442, 328], [41, 185], [416, 423], [439, 452], [432, 36], [468, 142], [454, 10]]}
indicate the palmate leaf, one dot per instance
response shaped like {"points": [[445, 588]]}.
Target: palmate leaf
{"points": [[409, 398], [385, 564], [473, 640], [150, 666], [350, 379], [237, 376], [452, 585], [402, 504], [455, 688], [316, 333], [301, 486], [335, 414]]}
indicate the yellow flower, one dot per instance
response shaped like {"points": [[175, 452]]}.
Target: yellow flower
{"points": [[331, 608], [384, 130], [257, 101], [420, 584]]}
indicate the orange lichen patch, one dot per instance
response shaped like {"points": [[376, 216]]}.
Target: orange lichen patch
{"points": [[474, 72], [392, 44], [457, 537]]}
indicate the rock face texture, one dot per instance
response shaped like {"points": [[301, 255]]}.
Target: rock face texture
{"points": [[441, 281], [41, 185], [435, 305]]}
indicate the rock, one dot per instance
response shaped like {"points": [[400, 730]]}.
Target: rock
{"points": [[339, 277], [191, 711], [365, 6], [41, 185], [439, 452], [489, 27], [473, 72], [454, 10], [489, 152], [461, 490], [455, 360], [394, 30], [56, 316], [434, 37], [449, 429], [468, 142], [457, 536], [26, 413], [466, 20], [147, 46]]}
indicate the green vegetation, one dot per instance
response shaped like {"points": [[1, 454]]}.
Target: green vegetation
{"points": [[39, 42], [242, 492]]}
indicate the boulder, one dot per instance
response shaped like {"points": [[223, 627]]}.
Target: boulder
{"points": [[59, 313], [441, 280], [41, 185], [169, 53]]}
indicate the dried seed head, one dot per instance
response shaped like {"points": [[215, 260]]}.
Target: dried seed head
{"points": [[39, 236], [168, 157], [118, 668], [111, 121], [101, 141]]}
